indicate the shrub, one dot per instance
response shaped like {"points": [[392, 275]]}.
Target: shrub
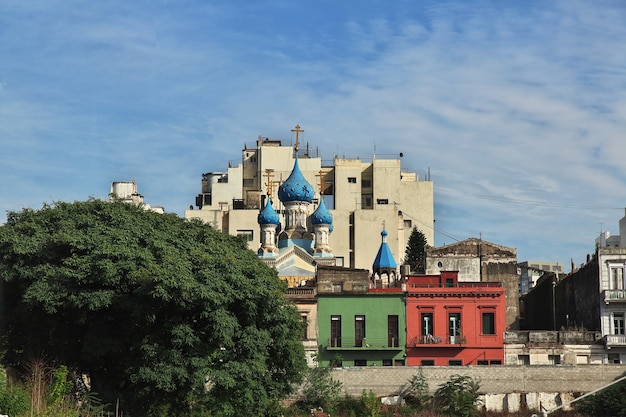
{"points": [[416, 392], [458, 397]]}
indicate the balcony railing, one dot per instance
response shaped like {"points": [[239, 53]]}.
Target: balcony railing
{"points": [[567, 337], [345, 343], [614, 296], [615, 340], [429, 339]]}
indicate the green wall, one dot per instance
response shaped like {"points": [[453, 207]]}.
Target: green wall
{"points": [[376, 307]]}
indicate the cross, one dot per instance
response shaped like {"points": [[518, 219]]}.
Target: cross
{"points": [[269, 174], [297, 130], [321, 175]]}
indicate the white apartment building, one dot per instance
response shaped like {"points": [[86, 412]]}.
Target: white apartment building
{"points": [[362, 196], [611, 252]]}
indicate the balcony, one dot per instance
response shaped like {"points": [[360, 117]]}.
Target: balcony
{"points": [[367, 344], [441, 341], [611, 296], [615, 340]]}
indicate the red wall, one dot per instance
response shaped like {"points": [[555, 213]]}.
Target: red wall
{"points": [[471, 300]]}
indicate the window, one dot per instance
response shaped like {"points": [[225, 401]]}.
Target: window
{"points": [[366, 183], [428, 325], [335, 331], [248, 235], [614, 358], [398, 362], [338, 287], [359, 330], [554, 359], [489, 323], [455, 362], [305, 327], [483, 362], [495, 362], [617, 278], [366, 202], [454, 329], [408, 224], [339, 261], [392, 331], [248, 182], [618, 323], [360, 362], [428, 362], [387, 362], [382, 201], [523, 359], [352, 180]]}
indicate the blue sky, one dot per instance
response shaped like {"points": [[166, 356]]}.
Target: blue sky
{"points": [[517, 108]]}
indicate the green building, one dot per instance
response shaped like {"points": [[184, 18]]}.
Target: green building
{"points": [[362, 328]]}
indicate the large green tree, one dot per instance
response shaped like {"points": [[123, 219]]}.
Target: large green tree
{"points": [[166, 315], [415, 252]]}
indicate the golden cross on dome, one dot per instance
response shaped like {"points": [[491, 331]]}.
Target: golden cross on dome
{"points": [[297, 130], [269, 173], [321, 175]]}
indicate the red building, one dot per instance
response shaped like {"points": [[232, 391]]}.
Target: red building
{"points": [[454, 323]]}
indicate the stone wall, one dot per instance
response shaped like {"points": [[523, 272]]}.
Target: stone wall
{"points": [[508, 388]]}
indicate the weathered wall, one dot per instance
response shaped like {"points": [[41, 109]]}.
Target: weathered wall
{"points": [[386, 381], [578, 298], [576, 301]]}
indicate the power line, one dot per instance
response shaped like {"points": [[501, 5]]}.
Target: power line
{"points": [[430, 227], [526, 202]]}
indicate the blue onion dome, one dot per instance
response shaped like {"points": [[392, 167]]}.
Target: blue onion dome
{"points": [[321, 215], [268, 215], [296, 187], [384, 233]]}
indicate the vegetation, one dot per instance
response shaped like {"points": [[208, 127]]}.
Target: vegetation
{"points": [[608, 402], [415, 252], [164, 316], [458, 397], [320, 390], [416, 392]]}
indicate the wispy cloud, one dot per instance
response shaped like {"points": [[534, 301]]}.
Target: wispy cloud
{"points": [[517, 108]]}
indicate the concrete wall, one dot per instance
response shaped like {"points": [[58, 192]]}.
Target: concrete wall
{"points": [[503, 387]]}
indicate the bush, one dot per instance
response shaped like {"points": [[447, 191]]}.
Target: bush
{"points": [[14, 399], [320, 389], [416, 392], [458, 397]]}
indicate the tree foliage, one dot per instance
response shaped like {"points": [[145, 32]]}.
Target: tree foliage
{"points": [[165, 315], [608, 402], [415, 252], [458, 396]]}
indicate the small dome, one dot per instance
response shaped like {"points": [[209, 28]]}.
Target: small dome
{"points": [[268, 215], [384, 257], [321, 215], [296, 187]]}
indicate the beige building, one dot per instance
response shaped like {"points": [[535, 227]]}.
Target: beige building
{"points": [[126, 191], [361, 196]]}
